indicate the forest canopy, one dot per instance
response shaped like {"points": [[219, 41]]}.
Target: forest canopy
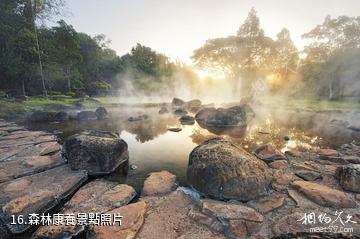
{"points": [[38, 59], [66, 59], [330, 67]]}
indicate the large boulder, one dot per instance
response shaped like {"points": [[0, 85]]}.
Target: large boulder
{"points": [[194, 105], [98, 152], [163, 110], [61, 116], [47, 116], [138, 118], [187, 120], [219, 169], [101, 113], [237, 116], [349, 177], [86, 115], [41, 116], [176, 102]]}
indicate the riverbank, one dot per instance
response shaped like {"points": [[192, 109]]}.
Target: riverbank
{"points": [[14, 108]]}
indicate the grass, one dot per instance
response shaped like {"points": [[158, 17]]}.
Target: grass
{"points": [[9, 108], [313, 104], [41, 102]]}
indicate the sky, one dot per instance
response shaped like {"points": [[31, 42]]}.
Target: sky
{"points": [[177, 27]]}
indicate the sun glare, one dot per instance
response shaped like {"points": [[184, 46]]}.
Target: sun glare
{"points": [[206, 74], [274, 79]]}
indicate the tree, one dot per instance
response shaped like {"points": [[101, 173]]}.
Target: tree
{"points": [[243, 58], [285, 59], [68, 46], [149, 70], [333, 37], [17, 46], [39, 9]]}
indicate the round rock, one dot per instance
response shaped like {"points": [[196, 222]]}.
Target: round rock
{"points": [[101, 113], [98, 152], [159, 183], [221, 170]]}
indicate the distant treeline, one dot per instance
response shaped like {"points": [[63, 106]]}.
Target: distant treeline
{"points": [[329, 66], [37, 59]]}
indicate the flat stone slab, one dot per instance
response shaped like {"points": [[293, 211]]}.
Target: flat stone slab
{"points": [[7, 153], [168, 218], [23, 134], [133, 216], [328, 153], [12, 128], [270, 203], [159, 183], [37, 193], [324, 195], [17, 142], [41, 149], [4, 123], [33, 140], [98, 196], [279, 164], [25, 166], [229, 211]]}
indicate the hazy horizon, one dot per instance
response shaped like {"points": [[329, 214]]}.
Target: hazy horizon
{"points": [[176, 28]]}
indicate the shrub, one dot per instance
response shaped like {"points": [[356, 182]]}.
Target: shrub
{"points": [[99, 85], [2, 94]]}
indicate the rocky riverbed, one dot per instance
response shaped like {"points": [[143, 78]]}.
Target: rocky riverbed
{"points": [[234, 194]]}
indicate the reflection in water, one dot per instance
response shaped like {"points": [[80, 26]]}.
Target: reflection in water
{"points": [[233, 131], [149, 129], [153, 148], [261, 132]]}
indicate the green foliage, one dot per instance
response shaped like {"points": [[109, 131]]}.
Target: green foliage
{"points": [[99, 85], [249, 55], [331, 66], [70, 60], [146, 61], [149, 70]]}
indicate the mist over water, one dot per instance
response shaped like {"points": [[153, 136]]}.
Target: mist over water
{"points": [[153, 148]]}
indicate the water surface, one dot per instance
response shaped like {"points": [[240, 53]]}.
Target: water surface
{"points": [[153, 148]]}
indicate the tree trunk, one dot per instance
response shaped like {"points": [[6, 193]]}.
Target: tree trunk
{"points": [[236, 87], [332, 90], [39, 55], [69, 78], [23, 87]]}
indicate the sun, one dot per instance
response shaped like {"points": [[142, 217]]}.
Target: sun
{"points": [[274, 79], [205, 73]]}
